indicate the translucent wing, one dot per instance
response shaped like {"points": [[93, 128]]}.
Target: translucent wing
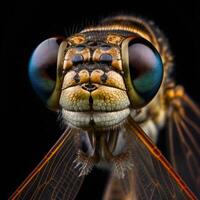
{"points": [[55, 177], [151, 178], [184, 141]]}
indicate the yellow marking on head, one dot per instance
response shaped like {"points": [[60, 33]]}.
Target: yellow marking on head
{"points": [[96, 76], [74, 51], [69, 79], [114, 39], [77, 39], [114, 79], [84, 76], [113, 51], [75, 98], [109, 98]]}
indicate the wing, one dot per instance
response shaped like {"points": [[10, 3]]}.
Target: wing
{"points": [[55, 177], [121, 189], [151, 178], [184, 140]]}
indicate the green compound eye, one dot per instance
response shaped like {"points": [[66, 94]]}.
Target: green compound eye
{"points": [[145, 71], [42, 67], [146, 68]]}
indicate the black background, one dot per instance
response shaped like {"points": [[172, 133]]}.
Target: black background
{"points": [[28, 129]]}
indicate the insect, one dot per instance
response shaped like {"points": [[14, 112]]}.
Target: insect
{"points": [[113, 88]]}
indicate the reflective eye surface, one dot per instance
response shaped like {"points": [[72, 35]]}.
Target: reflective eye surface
{"points": [[146, 68], [42, 67]]}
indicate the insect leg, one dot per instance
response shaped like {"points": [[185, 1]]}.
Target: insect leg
{"points": [[121, 162], [85, 161]]}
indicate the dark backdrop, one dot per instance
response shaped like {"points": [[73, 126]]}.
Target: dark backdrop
{"points": [[28, 129]]}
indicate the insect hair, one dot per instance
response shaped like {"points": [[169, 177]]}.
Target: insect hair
{"points": [[62, 123], [77, 27]]}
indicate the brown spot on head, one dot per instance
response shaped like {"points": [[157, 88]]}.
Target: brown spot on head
{"points": [[104, 78], [77, 78]]}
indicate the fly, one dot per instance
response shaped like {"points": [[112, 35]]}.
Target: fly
{"points": [[115, 92]]}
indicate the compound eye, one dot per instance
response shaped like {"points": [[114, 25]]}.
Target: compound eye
{"points": [[146, 68], [42, 67]]}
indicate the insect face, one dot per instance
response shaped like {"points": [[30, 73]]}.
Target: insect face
{"points": [[99, 81]]}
